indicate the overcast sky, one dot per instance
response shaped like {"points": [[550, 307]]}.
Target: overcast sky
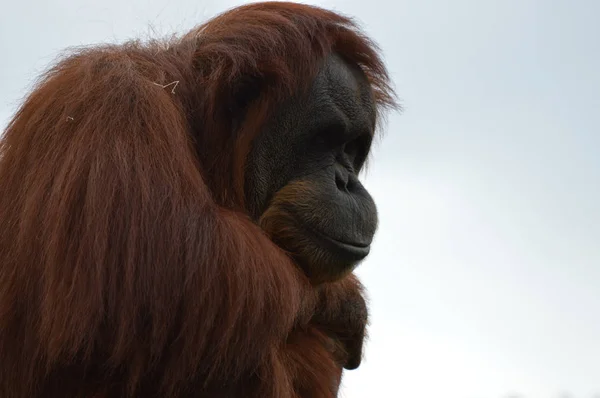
{"points": [[484, 278]]}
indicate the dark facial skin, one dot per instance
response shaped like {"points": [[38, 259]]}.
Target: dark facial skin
{"points": [[302, 174]]}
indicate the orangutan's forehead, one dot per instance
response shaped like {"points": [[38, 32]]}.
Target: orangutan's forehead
{"points": [[342, 87]]}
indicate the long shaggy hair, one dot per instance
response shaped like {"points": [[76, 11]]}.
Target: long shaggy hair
{"points": [[128, 267]]}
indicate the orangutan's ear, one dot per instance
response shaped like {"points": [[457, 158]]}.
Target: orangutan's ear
{"points": [[233, 94], [246, 91], [243, 94]]}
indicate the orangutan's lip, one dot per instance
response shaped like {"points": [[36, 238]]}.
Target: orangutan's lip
{"points": [[357, 250], [352, 251]]}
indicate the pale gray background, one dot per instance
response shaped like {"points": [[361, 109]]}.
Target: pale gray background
{"points": [[484, 277]]}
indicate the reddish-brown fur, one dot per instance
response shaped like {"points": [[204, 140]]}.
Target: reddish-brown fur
{"points": [[127, 264]]}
